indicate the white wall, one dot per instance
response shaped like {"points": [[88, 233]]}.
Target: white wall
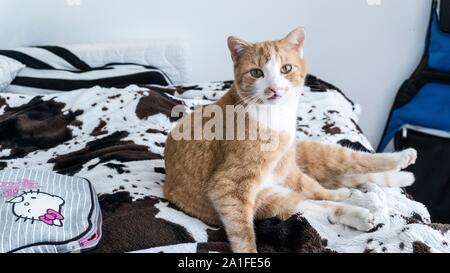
{"points": [[366, 50]]}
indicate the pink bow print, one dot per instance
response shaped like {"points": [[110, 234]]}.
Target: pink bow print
{"points": [[52, 218]]}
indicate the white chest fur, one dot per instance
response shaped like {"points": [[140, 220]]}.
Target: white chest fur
{"points": [[277, 117]]}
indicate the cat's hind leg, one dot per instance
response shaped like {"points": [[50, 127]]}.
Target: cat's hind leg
{"points": [[312, 189], [326, 161], [357, 217], [283, 202], [277, 201], [384, 179]]}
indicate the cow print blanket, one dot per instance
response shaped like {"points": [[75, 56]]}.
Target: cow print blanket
{"points": [[115, 138]]}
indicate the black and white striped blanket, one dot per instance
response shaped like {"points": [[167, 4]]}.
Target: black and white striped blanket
{"points": [[51, 69]]}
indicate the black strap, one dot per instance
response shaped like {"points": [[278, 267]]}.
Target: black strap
{"points": [[444, 16]]}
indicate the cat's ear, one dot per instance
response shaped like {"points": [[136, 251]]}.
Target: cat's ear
{"points": [[296, 39], [237, 47], [17, 199]]}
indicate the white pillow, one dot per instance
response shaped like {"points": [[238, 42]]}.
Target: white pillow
{"points": [[9, 69]]}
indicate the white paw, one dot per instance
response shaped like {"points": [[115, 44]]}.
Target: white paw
{"points": [[406, 158], [402, 179], [358, 218], [343, 194], [368, 200]]}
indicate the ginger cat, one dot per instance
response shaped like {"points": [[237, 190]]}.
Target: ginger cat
{"points": [[232, 182]]}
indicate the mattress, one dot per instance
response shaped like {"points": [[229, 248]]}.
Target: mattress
{"points": [[115, 138]]}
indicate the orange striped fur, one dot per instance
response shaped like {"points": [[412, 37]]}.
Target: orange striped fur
{"points": [[233, 182]]}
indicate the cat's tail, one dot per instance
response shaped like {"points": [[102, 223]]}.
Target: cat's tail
{"points": [[384, 179]]}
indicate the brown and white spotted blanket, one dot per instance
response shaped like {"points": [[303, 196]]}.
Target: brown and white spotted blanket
{"points": [[115, 138]]}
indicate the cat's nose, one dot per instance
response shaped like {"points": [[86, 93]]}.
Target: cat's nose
{"points": [[273, 93], [274, 88]]}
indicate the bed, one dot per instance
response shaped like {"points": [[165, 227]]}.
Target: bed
{"points": [[110, 125]]}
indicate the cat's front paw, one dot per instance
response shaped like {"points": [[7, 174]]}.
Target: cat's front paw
{"points": [[245, 250], [243, 247], [406, 158]]}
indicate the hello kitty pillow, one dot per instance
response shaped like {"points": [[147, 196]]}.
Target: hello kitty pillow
{"points": [[42, 211]]}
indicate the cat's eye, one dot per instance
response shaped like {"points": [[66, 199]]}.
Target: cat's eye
{"points": [[257, 73], [287, 68]]}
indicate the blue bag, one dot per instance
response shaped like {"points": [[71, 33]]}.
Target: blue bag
{"points": [[420, 118]]}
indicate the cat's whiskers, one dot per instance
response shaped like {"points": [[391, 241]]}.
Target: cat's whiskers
{"points": [[246, 102], [243, 99], [250, 102]]}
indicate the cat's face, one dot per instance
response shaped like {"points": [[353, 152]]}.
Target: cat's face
{"points": [[269, 72]]}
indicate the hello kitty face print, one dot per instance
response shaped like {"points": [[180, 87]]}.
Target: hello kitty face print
{"points": [[38, 206]]}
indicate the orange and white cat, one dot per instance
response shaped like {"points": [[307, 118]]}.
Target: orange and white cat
{"points": [[231, 182]]}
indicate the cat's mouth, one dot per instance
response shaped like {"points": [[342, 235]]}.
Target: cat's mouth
{"points": [[274, 97]]}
